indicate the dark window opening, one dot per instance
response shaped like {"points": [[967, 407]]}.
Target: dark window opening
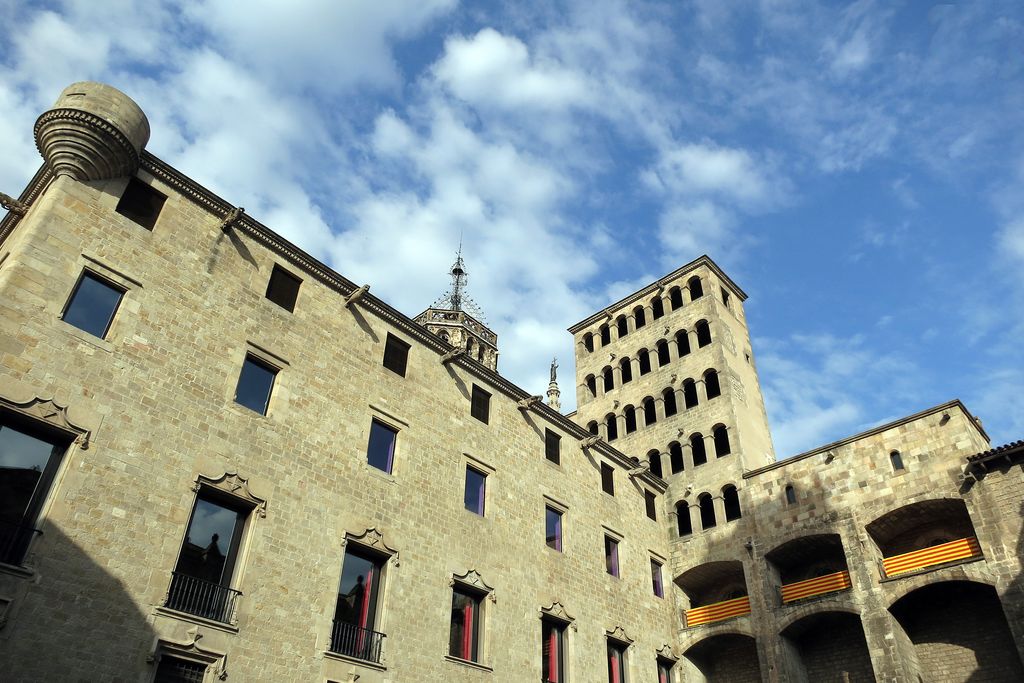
{"points": [[721, 437], [656, 580], [703, 333], [675, 453], [696, 288], [553, 528], [663, 355], [396, 355], [175, 670], [629, 414], [689, 393], [626, 370], [612, 426], [707, 510], [654, 463], [644, 360], [731, 499], [606, 335], [141, 203], [611, 555], [608, 479], [476, 487], [657, 308], [684, 524], [683, 342], [700, 454], [616, 662], [790, 495], [255, 384], [609, 379], [669, 396], [283, 288], [639, 317], [592, 385], [464, 634], [593, 428], [355, 613], [93, 304], [552, 651], [897, 461], [725, 297], [665, 670], [675, 297], [380, 451], [552, 446], [650, 505], [711, 385], [621, 326], [588, 342], [480, 404], [650, 411]]}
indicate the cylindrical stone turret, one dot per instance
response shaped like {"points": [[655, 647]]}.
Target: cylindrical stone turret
{"points": [[92, 132]]}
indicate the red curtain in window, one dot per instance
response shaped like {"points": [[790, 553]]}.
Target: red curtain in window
{"points": [[364, 610], [614, 667], [467, 631], [552, 654]]}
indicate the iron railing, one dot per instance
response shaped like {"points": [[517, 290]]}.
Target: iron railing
{"points": [[14, 540], [201, 598], [353, 641]]}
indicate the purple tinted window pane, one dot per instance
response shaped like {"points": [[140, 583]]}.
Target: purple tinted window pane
{"points": [[611, 555], [380, 452], [659, 588], [553, 528], [475, 488]]}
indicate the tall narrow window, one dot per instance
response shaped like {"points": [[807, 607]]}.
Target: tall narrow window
{"points": [[703, 333], [689, 393], [609, 379], [654, 463], [675, 453], [283, 288], [607, 479], [707, 510], [665, 670], [669, 396], [593, 428], [464, 635], [650, 411], [697, 448], [639, 319], [725, 297], [553, 528], [552, 635], [731, 500], [683, 522], [721, 437], [896, 460], [621, 326], [683, 343], [476, 487], [588, 342], [663, 355], [29, 459], [643, 360], [656, 580], [790, 495], [675, 297], [396, 355], [552, 446], [651, 505], [255, 384], [606, 335], [611, 425], [629, 417], [355, 613], [626, 370], [611, 555], [380, 452], [592, 385], [93, 304], [201, 582], [696, 288], [657, 308], [480, 404], [616, 662], [711, 385], [141, 203]]}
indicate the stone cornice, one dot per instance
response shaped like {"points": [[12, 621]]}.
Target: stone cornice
{"points": [[35, 187]]}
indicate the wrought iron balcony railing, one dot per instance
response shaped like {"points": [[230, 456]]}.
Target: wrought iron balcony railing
{"points": [[719, 611], [14, 540], [201, 598], [960, 549], [830, 583], [354, 641]]}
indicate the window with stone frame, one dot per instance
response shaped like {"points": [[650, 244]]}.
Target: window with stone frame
{"points": [[356, 614], [657, 581], [552, 446], [466, 626], [93, 304], [617, 661], [552, 650], [172, 669], [380, 450], [608, 479], [283, 288], [396, 355], [476, 490], [480, 404], [141, 203], [255, 384], [651, 505], [611, 555]]}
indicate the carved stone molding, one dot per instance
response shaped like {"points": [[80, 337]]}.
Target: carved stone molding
{"points": [[13, 205], [618, 633], [372, 538], [191, 649], [666, 652], [237, 486], [473, 579], [53, 413], [84, 146], [557, 611]]}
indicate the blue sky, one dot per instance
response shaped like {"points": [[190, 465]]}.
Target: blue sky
{"points": [[858, 168]]}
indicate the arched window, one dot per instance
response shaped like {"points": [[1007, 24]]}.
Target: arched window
{"points": [[703, 333], [654, 462], [650, 412], [592, 428], [444, 336], [707, 510], [897, 461], [675, 298], [606, 335], [609, 379], [657, 308], [630, 416], [675, 456], [683, 342], [669, 396], [689, 393], [696, 288], [480, 353], [721, 435], [683, 522], [626, 370], [592, 385], [790, 495], [731, 498], [725, 297], [620, 324], [711, 384], [700, 454], [588, 342], [469, 347], [612, 426], [638, 317], [663, 354], [643, 359]]}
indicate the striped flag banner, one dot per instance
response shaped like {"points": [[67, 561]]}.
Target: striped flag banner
{"points": [[961, 549], [709, 614], [820, 585]]}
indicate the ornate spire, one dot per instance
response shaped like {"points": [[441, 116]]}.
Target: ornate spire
{"points": [[553, 392], [456, 299]]}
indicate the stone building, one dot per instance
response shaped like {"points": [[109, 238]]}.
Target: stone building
{"points": [[222, 460]]}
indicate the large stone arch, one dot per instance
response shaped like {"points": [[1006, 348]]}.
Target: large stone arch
{"points": [[725, 657], [827, 647]]}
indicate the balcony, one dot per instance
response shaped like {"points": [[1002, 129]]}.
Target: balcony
{"points": [[14, 540], [353, 641], [960, 549], [719, 611], [809, 588], [201, 598]]}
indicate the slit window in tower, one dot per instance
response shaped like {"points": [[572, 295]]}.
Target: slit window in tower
{"points": [[396, 355], [480, 404], [611, 556], [683, 522], [552, 446], [607, 479], [654, 463], [141, 203], [283, 288]]}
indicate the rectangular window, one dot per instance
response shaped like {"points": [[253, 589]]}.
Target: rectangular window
{"points": [[476, 482], [141, 203], [396, 355], [611, 555], [552, 446], [255, 383], [616, 662], [659, 586], [665, 670], [607, 479], [480, 407], [283, 288], [380, 452], [93, 304], [176, 670], [650, 503], [201, 582], [552, 651], [464, 636], [553, 528], [355, 613], [29, 459]]}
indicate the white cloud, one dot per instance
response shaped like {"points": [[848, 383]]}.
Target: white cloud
{"points": [[1010, 240], [705, 168]]}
